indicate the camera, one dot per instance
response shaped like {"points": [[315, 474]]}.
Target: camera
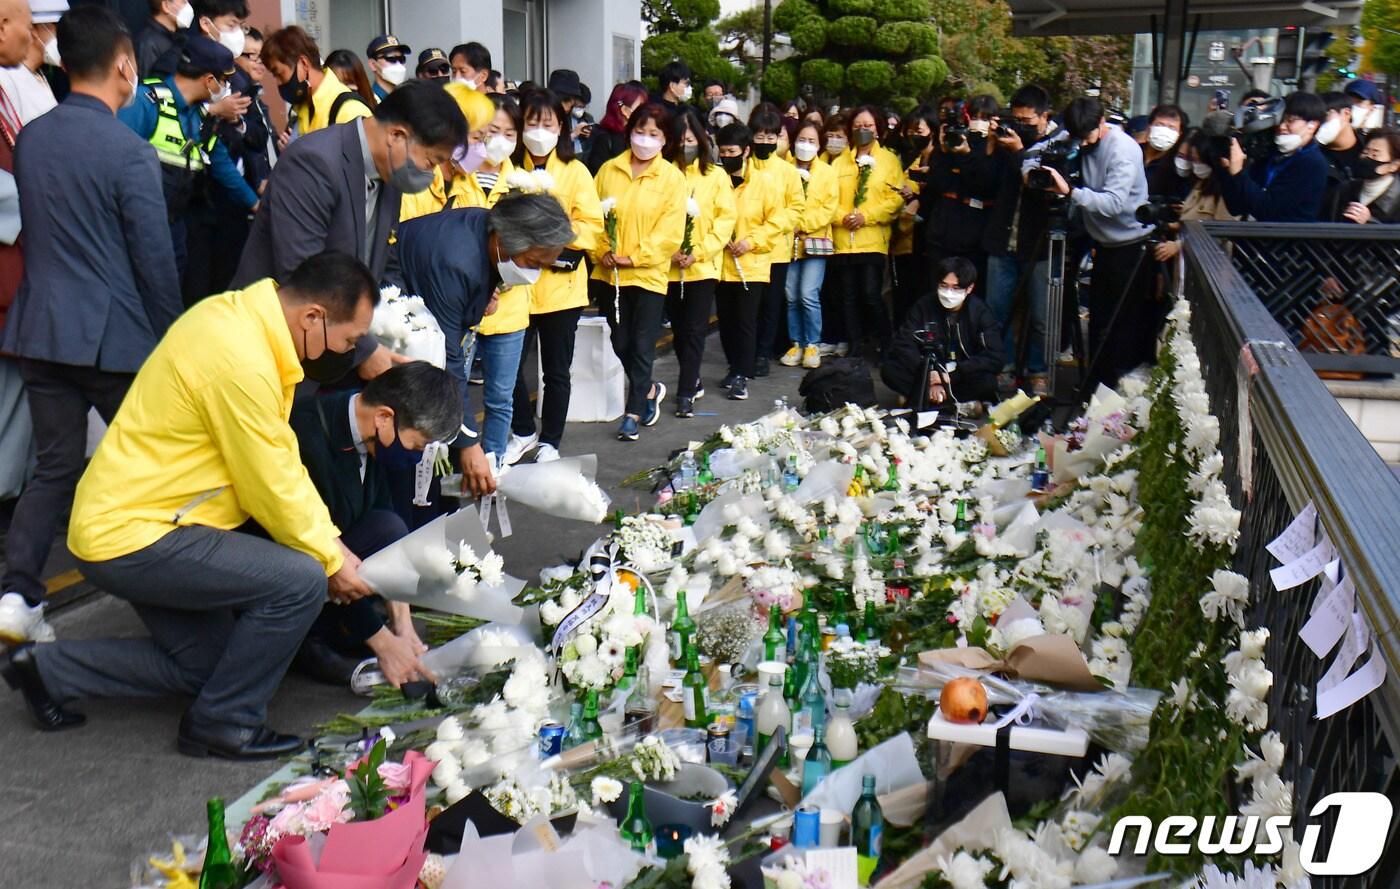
{"points": [[1251, 125], [1063, 158], [930, 341], [1159, 210], [954, 119]]}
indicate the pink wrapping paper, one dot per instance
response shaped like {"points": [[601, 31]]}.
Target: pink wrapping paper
{"points": [[386, 853]]}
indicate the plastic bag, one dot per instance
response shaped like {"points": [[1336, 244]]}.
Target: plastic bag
{"points": [[565, 489]]}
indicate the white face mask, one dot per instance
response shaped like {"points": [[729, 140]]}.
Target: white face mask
{"points": [[1329, 130], [498, 148], [687, 93], [135, 82], [394, 72], [1200, 170], [185, 17], [980, 127], [540, 141], [644, 148], [1376, 120], [1288, 142], [1161, 138], [465, 81], [578, 112], [225, 90], [835, 146], [51, 55], [722, 120], [513, 275], [1359, 113], [805, 151], [233, 40], [951, 298], [1183, 167]]}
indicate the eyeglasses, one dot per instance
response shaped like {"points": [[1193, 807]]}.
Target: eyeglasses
{"points": [[393, 60], [250, 56], [437, 71]]}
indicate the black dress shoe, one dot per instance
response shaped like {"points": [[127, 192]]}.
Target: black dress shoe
{"points": [[322, 662], [234, 741], [21, 673]]}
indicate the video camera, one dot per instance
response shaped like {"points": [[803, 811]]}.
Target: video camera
{"points": [[1159, 211], [1251, 125], [954, 120], [931, 343], [1063, 158]]}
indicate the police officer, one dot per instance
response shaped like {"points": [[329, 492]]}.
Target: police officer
{"points": [[388, 59], [433, 65], [169, 113]]}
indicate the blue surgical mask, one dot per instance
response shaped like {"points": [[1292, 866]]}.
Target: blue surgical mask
{"points": [[394, 456]]}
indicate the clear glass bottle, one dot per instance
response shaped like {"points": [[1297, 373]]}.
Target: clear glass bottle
{"points": [[573, 735], [772, 710], [818, 763], [790, 477], [867, 830], [689, 471], [641, 706]]}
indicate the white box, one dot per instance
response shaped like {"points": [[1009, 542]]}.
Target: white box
{"points": [[599, 390]]}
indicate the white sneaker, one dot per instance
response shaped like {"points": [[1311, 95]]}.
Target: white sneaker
{"points": [[20, 623], [825, 349], [842, 349], [518, 447], [547, 453]]}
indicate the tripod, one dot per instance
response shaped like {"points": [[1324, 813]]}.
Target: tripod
{"points": [[1087, 381], [1055, 240]]}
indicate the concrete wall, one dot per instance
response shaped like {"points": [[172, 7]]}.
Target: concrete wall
{"points": [[445, 23], [587, 35]]}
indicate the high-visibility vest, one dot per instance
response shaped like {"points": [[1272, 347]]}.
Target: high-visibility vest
{"points": [[182, 159]]}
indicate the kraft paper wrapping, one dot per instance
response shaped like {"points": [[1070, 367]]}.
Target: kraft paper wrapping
{"points": [[1052, 658]]}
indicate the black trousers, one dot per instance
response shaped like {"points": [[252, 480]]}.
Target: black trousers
{"points": [[347, 627], [633, 336], [1122, 282], [738, 310], [909, 380], [911, 281], [554, 332], [690, 325], [833, 315], [214, 240], [772, 314], [59, 398], [862, 278]]}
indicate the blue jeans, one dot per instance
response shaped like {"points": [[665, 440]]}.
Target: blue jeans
{"points": [[500, 361], [804, 300], [1002, 274]]}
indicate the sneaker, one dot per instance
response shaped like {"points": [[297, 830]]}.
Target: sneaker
{"points": [[729, 381], [1065, 358], [685, 407], [519, 446], [476, 375], [760, 367], [825, 349], [740, 390], [547, 453], [654, 405], [811, 357], [699, 394], [792, 357], [19, 622], [841, 350], [1040, 384], [628, 430]]}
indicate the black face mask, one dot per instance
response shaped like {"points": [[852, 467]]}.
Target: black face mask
{"points": [[764, 150], [1368, 168], [917, 144], [329, 366], [1027, 131], [1089, 147], [294, 91], [732, 165]]}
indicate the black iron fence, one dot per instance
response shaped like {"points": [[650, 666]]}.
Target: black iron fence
{"points": [[1334, 288], [1287, 442]]}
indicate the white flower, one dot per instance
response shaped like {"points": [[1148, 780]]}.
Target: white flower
{"points": [[1228, 596], [607, 205], [964, 871], [491, 569], [612, 652], [1019, 630], [465, 585], [440, 750], [456, 791], [711, 878], [1095, 865], [866, 160], [450, 731], [692, 209], [475, 753], [605, 789], [722, 808], [585, 644], [446, 771], [706, 852], [1252, 643]]}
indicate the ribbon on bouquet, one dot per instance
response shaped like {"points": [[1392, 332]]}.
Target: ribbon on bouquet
{"points": [[499, 502], [423, 473], [603, 565], [1022, 714]]}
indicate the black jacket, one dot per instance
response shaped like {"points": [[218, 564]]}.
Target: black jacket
{"points": [[1279, 189], [606, 146], [1384, 209], [1028, 207], [158, 50], [962, 190], [327, 444], [972, 330]]}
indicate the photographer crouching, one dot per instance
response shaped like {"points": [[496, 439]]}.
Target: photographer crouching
{"points": [[949, 350], [1112, 185]]}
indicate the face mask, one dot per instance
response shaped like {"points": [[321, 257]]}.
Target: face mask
{"points": [[1359, 114], [233, 40], [1329, 130], [723, 119], [1183, 167], [540, 141], [1162, 138], [51, 55], [1368, 168], [328, 366], [644, 148], [763, 151], [294, 91], [732, 164], [863, 137], [394, 72], [578, 112], [470, 156], [465, 81], [980, 127], [407, 178], [835, 146], [805, 151], [185, 17], [498, 148], [1090, 147], [712, 101], [135, 85], [687, 93], [225, 90], [513, 275], [394, 456], [1201, 171], [1288, 143], [917, 144], [690, 152], [1027, 132], [1376, 120], [951, 298]]}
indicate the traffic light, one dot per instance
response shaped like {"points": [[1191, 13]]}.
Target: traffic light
{"points": [[1315, 53], [1286, 52]]}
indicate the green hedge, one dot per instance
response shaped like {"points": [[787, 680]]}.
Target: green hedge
{"points": [[852, 30], [787, 14], [869, 79], [851, 7], [919, 77], [923, 38], [903, 104], [808, 35], [823, 74], [902, 10], [780, 81]]}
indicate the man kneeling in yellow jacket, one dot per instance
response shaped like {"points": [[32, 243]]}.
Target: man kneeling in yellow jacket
{"points": [[200, 447]]}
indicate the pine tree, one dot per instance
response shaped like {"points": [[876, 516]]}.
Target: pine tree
{"points": [[683, 29]]}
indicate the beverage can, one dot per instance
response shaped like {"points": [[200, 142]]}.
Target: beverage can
{"points": [[551, 738], [807, 827]]}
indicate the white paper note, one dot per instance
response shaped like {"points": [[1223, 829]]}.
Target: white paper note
{"points": [[1297, 538], [1352, 647], [839, 864], [1330, 618], [1302, 569], [1352, 689]]}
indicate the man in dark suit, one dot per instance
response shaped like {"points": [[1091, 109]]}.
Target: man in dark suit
{"points": [[349, 442], [339, 189], [99, 286]]}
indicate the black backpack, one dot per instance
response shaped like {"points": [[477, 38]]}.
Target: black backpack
{"points": [[839, 381]]}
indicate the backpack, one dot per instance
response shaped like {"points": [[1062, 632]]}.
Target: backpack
{"points": [[340, 101], [837, 382]]}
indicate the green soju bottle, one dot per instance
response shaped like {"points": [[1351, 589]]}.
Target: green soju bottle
{"points": [[870, 630], [636, 828], [867, 828], [218, 871], [629, 671], [682, 628], [589, 728], [696, 688], [960, 523], [775, 640]]}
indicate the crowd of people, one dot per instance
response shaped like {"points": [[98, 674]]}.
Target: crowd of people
{"points": [[206, 283]]}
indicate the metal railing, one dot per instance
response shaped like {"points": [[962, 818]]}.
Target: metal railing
{"points": [[1287, 442]]}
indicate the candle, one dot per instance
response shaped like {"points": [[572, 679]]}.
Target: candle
{"points": [[670, 840]]}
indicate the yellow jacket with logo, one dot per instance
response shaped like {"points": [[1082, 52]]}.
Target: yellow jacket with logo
{"points": [[314, 114], [714, 198], [203, 438], [881, 205], [650, 212], [762, 218], [818, 206], [574, 188], [786, 171]]}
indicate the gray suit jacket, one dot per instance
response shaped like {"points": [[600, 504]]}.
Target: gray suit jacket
{"points": [[315, 201], [100, 285]]}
